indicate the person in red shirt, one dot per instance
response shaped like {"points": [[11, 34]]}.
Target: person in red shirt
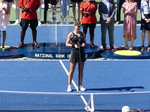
{"points": [[28, 17], [88, 20]]}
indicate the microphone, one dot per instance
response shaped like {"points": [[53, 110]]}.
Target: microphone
{"points": [[78, 43]]}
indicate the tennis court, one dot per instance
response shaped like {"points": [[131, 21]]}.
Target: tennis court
{"points": [[40, 85]]}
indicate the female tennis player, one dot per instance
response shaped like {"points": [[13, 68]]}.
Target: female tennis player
{"points": [[76, 40]]}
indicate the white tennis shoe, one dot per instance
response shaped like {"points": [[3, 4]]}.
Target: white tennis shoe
{"points": [[82, 88], [69, 88]]}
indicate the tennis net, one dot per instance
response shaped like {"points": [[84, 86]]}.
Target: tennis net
{"points": [[51, 101]]}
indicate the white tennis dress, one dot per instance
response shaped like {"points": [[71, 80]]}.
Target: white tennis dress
{"points": [[3, 17]]}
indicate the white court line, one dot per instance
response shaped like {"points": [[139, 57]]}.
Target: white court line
{"points": [[68, 74], [82, 97]]}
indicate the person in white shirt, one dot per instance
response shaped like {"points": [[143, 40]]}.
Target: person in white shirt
{"points": [[4, 19]]}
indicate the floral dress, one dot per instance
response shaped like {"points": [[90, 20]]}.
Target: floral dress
{"points": [[130, 20], [3, 17]]}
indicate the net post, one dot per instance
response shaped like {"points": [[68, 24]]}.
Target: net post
{"points": [[92, 102]]}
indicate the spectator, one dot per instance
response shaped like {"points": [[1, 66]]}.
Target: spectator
{"points": [[64, 7], [53, 7], [17, 13], [46, 3], [130, 10], [76, 40], [145, 22], [29, 17], [119, 6], [39, 14], [107, 12], [4, 18], [89, 20], [74, 3], [10, 5]]}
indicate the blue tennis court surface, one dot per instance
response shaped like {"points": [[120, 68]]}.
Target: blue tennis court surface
{"points": [[41, 85], [51, 76], [107, 77]]}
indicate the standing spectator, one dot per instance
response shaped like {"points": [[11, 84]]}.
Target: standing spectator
{"points": [[130, 10], [64, 7], [29, 17], [4, 18], [74, 2], [39, 14], [53, 7], [17, 13], [119, 6], [46, 3], [89, 20], [10, 5], [145, 22], [107, 12], [76, 40]]}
